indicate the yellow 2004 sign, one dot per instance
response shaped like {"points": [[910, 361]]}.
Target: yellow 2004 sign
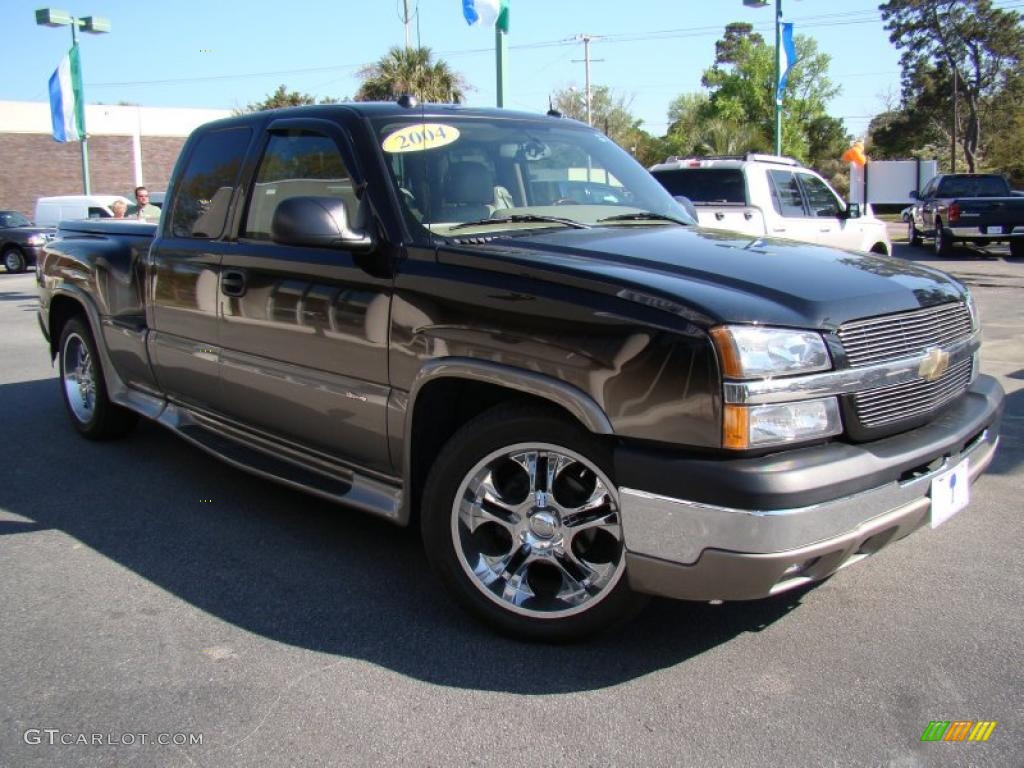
{"points": [[416, 138]]}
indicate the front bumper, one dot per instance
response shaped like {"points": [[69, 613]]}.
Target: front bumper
{"points": [[738, 529]]}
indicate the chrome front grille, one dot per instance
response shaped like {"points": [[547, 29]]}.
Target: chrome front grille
{"points": [[890, 337], [885, 405]]}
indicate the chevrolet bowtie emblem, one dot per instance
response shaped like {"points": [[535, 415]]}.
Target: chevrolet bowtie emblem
{"points": [[933, 365]]}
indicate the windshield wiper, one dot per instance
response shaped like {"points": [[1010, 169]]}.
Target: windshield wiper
{"points": [[519, 218], [642, 216]]}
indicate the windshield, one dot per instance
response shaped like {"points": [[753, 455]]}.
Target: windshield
{"points": [[13, 219], [517, 174], [974, 186]]}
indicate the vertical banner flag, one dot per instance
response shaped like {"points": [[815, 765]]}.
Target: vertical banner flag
{"points": [[787, 61], [67, 108], [486, 13]]}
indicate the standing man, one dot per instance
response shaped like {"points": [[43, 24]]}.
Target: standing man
{"points": [[143, 209]]}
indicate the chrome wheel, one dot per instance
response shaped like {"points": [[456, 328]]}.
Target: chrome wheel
{"points": [[537, 530], [14, 261], [79, 375]]}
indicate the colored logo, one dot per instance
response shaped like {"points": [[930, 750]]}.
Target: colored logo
{"points": [[958, 730]]}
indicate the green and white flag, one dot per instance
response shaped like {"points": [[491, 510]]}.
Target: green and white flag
{"points": [[67, 107], [486, 13]]}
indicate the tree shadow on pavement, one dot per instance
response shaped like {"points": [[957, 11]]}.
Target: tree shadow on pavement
{"points": [[305, 572]]}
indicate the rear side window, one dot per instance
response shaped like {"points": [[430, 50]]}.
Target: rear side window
{"points": [[786, 197], [98, 213], [296, 163], [706, 185], [204, 191]]}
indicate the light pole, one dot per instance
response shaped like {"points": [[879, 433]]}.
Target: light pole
{"points": [[778, 66], [97, 25]]}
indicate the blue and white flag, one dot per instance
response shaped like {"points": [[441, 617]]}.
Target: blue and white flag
{"points": [[486, 13], [67, 108], [787, 61]]}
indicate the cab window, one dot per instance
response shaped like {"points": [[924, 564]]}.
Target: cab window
{"points": [[820, 199], [204, 190], [296, 163]]}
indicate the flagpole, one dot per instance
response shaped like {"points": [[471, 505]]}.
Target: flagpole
{"points": [[500, 57], [778, 77], [85, 147]]}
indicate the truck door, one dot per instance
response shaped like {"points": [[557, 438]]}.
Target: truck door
{"points": [[184, 267], [304, 328], [792, 220], [832, 228]]}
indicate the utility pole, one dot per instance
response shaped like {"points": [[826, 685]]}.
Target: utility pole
{"points": [[407, 19], [952, 146], [586, 60]]}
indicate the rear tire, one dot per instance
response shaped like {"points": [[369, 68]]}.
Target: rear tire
{"points": [[85, 392], [943, 241], [522, 524], [14, 260]]}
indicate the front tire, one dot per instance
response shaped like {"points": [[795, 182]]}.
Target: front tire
{"points": [[521, 522], [14, 260], [85, 392], [913, 235]]}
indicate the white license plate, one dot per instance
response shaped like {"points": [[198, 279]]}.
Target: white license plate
{"points": [[995, 230], [951, 492]]}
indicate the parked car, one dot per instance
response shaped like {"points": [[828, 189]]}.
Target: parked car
{"points": [[576, 403], [50, 211], [907, 213], [21, 242], [975, 207], [769, 195]]}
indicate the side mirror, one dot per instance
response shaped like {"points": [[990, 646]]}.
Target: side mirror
{"points": [[913, 195], [853, 210], [320, 222]]}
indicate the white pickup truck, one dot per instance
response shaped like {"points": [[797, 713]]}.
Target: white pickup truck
{"points": [[769, 195]]}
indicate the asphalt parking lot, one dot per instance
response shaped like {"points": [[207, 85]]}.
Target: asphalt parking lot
{"points": [[150, 594]]}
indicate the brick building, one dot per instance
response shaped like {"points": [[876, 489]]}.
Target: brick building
{"points": [[128, 146]]}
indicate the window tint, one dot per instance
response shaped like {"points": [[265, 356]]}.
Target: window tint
{"points": [[786, 193], [98, 213], [706, 185], [296, 163], [819, 197], [973, 186], [204, 191]]}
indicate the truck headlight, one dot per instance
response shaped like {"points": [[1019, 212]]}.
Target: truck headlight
{"points": [[749, 351], [758, 426], [36, 240], [972, 308]]}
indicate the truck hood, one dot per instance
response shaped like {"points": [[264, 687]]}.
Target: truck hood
{"points": [[717, 276]]}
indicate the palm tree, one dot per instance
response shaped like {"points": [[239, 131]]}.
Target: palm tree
{"points": [[412, 71], [719, 136]]}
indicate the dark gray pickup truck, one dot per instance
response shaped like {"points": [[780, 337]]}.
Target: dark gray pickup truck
{"points": [[579, 403], [967, 207], [20, 241]]}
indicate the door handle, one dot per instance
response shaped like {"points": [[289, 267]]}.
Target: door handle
{"points": [[780, 229], [232, 282]]}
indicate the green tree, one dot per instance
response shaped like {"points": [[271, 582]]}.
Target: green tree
{"points": [[609, 112], [741, 85], [282, 97], [969, 42], [414, 71]]}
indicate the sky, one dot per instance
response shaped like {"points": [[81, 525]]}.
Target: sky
{"points": [[228, 53]]}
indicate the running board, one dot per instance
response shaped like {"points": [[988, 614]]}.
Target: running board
{"points": [[343, 486]]}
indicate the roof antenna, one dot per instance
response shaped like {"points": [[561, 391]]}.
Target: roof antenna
{"points": [[408, 101], [552, 112]]}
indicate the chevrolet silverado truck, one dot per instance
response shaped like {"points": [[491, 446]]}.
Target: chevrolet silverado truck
{"points": [[959, 207], [771, 195], [396, 307]]}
